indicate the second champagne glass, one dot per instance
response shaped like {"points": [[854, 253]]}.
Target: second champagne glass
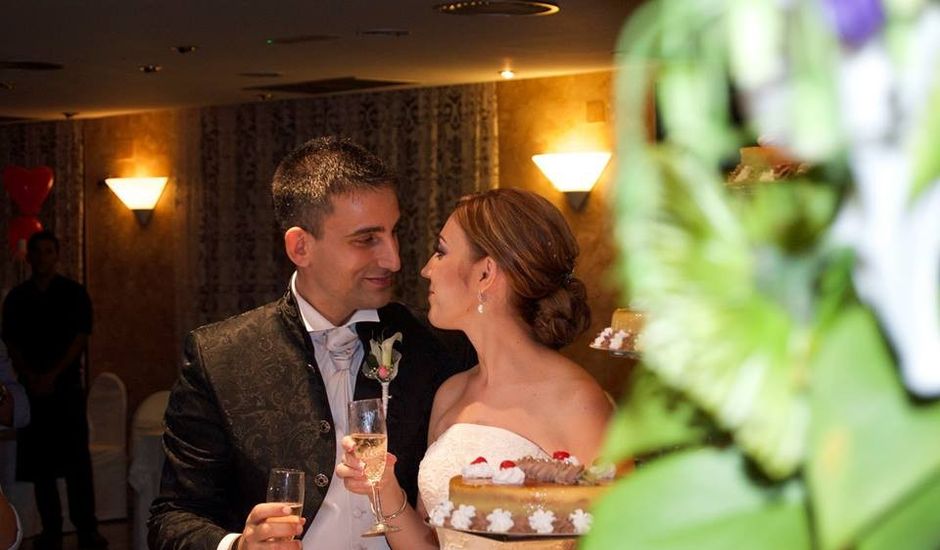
{"points": [[368, 430], [287, 486]]}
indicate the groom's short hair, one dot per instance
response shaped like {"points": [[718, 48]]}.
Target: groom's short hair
{"points": [[308, 178]]}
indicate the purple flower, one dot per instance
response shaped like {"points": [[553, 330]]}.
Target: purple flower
{"points": [[855, 21]]}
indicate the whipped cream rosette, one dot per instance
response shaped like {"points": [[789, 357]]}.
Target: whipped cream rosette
{"points": [[478, 469]]}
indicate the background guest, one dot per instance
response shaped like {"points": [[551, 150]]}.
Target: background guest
{"points": [[46, 323]]}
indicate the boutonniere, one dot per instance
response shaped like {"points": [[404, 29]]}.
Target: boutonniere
{"points": [[382, 363]]}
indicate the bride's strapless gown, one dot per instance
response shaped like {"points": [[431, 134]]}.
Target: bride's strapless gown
{"points": [[458, 446]]}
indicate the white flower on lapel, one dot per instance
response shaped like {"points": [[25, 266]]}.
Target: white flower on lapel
{"points": [[382, 363]]}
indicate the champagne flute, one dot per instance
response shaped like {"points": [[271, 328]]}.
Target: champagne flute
{"points": [[367, 429], [286, 486]]}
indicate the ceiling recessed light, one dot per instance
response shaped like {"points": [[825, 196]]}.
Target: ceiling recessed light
{"points": [[183, 49], [329, 86], [395, 33], [30, 66], [507, 74], [261, 74], [301, 39], [12, 119], [498, 7], [150, 69]]}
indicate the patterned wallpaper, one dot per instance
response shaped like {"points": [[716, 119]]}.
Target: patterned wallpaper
{"points": [[441, 141]]}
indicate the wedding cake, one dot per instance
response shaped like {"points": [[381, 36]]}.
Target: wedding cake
{"points": [[526, 496]]}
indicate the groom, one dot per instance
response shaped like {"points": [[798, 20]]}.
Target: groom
{"points": [[269, 388]]}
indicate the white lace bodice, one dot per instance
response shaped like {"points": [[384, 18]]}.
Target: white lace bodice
{"points": [[458, 446]]}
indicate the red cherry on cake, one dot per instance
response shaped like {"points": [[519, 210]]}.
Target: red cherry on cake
{"points": [[561, 455], [506, 464], [479, 460]]}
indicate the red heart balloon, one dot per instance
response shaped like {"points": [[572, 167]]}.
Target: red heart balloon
{"points": [[28, 187], [21, 229]]}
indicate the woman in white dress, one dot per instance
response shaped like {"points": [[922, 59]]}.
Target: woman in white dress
{"points": [[501, 273]]}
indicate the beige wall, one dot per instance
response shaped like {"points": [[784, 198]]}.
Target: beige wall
{"points": [[563, 114], [131, 269]]}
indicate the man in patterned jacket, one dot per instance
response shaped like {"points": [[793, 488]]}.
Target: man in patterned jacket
{"points": [[269, 388]]}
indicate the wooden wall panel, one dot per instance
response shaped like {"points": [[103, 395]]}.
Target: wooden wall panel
{"points": [[130, 267], [564, 114]]}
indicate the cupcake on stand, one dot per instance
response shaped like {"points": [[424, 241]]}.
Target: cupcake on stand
{"points": [[621, 338]]}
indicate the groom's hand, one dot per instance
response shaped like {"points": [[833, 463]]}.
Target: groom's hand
{"points": [[271, 526], [350, 470]]}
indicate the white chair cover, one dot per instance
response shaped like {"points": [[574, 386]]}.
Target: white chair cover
{"points": [[107, 413], [107, 410], [146, 460]]}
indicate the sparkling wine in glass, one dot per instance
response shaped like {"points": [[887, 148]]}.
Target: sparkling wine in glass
{"points": [[367, 429], [287, 486]]}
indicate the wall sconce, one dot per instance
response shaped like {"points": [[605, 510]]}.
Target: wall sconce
{"points": [[574, 174], [138, 194]]}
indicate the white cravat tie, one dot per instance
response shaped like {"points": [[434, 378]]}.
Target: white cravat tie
{"points": [[343, 515], [341, 343]]}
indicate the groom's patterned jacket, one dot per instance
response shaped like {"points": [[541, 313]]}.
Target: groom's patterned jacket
{"points": [[250, 397]]}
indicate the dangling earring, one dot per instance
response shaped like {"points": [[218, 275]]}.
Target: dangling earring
{"points": [[482, 299]]}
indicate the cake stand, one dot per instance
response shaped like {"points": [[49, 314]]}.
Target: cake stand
{"points": [[452, 539], [619, 353]]}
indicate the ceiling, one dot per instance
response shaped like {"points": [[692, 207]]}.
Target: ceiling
{"points": [[102, 45]]}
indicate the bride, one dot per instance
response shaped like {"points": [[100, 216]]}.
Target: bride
{"points": [[502, 274]]}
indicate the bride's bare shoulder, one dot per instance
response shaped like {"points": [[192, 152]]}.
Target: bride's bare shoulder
{"points": [[581, 390], [580, 411]]}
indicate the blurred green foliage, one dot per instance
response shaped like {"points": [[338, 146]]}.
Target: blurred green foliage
{"points": [[767, 390]]}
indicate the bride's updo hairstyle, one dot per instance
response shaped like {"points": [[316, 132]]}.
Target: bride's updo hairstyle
{"points": [[531, 242]]}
